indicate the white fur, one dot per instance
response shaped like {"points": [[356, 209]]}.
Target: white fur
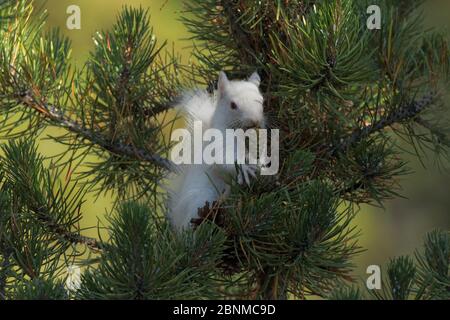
{"points": [[197, 105], [194, 185]]}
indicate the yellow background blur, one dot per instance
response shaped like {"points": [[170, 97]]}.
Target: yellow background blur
{"points": [[385, 233]]}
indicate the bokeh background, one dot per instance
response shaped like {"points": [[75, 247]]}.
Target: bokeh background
{"points": [[394, 230]]}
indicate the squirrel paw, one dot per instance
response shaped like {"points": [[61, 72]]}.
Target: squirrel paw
{"points": [[246, 172]]}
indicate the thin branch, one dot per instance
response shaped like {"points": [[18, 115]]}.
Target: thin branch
{"points": [[76, 238], [6, 263], [442, 137], [52, 114], [407, 112], [67, 235], [404, 113]]}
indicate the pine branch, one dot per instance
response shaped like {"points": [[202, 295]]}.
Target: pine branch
{"points": [[442, 137], [404, 113], [6, 264], [242, 39], [42, 200], [67, 235], [373, 177], [52, 114]]}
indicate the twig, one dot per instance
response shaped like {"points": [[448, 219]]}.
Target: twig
{"points": [[442, 137], [52, 114], [67, 235], [404, 113]]}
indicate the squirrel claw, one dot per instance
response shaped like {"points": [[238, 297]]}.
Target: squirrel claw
{"points": [[246, 172]]}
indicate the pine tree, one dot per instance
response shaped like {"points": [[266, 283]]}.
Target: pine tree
{"points": [[339, 93]]}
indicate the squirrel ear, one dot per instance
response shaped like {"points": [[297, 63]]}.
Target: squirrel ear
{"points": [[255, 78], [223, 82]]}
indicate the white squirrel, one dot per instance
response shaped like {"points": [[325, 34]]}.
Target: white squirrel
{"points": [[236, 104]]}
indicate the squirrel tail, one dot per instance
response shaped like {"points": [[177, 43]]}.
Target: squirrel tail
{"points": [[190, 190], [192, 185], [197, 105]]}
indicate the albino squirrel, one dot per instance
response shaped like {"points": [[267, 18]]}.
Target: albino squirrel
{"points": [[235, 105]]}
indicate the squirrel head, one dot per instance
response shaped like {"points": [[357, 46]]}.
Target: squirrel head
{"points": [[240, 103]]}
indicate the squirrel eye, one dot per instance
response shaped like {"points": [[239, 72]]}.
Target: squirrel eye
{"points": [[233, 106]]}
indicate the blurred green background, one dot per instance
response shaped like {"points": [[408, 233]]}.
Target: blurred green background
{"points": [[397, 229]]}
